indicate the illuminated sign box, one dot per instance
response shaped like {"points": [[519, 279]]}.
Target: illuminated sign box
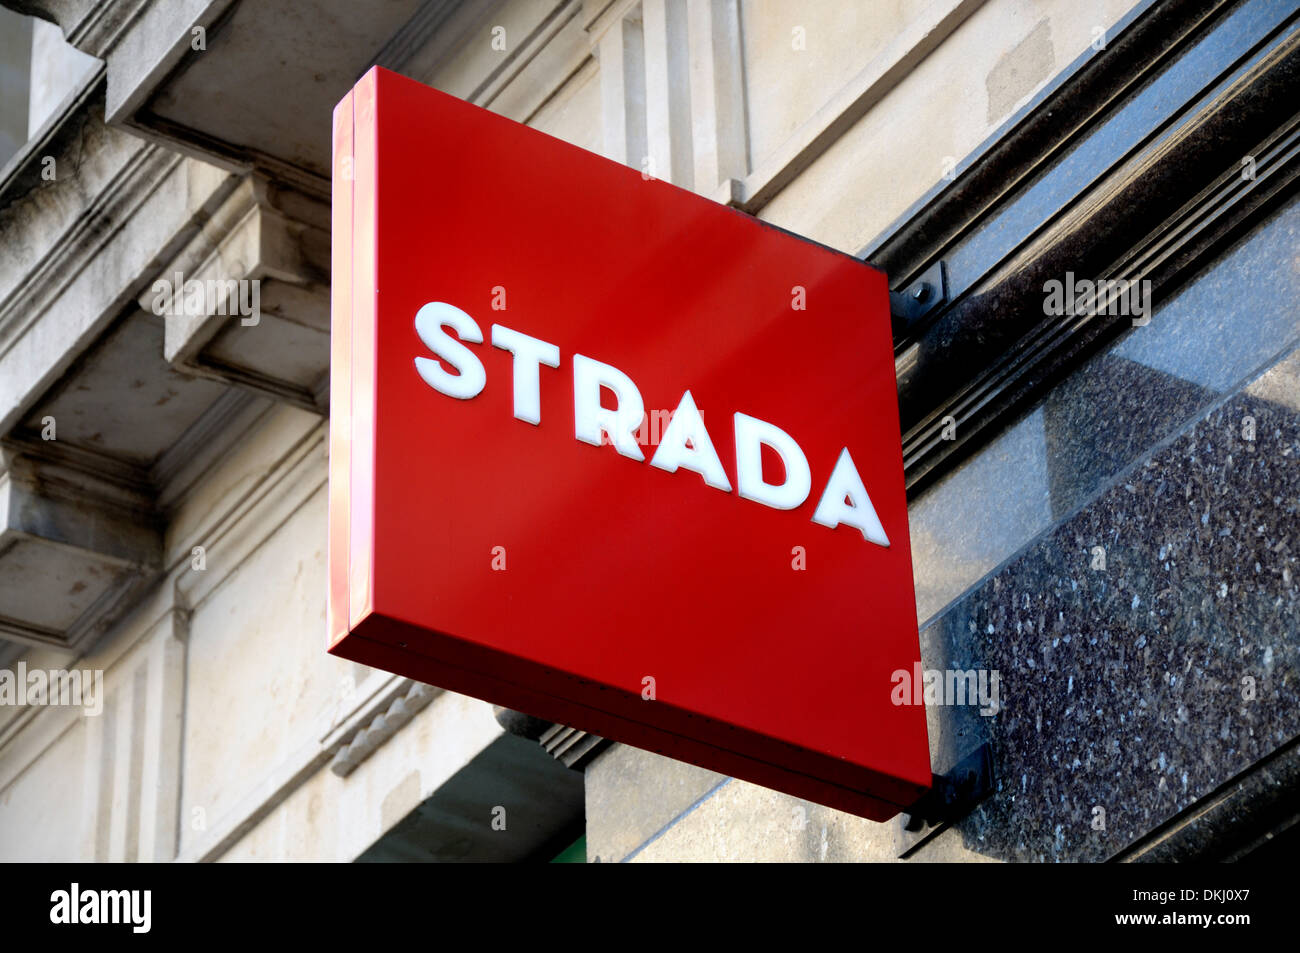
{"points": [[612, 454]]}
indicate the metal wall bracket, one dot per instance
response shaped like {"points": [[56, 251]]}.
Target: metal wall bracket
{"points": [[910, 306], [952, 797], [573, 748]]}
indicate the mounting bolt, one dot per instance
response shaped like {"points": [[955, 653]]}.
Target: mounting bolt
{"points": [[913, 302]]}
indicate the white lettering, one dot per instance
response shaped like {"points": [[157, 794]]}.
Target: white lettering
{"points": [[530, 353], [686, 443], [470, 377], [590, 417], [846, 484], [751, 434]]}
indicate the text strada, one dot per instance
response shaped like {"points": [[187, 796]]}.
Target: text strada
{"points": [[685, 444]]}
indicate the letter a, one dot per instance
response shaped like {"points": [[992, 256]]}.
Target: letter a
{"points": [[832, 510], [686, 443]]}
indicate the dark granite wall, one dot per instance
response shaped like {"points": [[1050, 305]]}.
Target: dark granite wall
{"points": [[1141, 684], [1123, 688]]}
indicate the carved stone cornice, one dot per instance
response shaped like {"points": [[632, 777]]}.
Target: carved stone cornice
{"points": [[267, 246], [76, 544]]}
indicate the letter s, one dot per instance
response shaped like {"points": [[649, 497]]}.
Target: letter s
{"points": [[470, 377]]}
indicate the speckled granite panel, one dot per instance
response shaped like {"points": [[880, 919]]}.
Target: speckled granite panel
{"points": [[1139, 687], [1202, 344], [1105, 416]]}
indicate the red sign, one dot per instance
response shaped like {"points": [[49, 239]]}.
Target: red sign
{"points": [[615, 455]]}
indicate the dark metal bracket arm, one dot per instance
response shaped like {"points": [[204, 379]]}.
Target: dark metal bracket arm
{"points": [[909, 307], [571, 747], [952, 797]]}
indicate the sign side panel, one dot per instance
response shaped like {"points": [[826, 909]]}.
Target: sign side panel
{"points": [[364, 193], [340, 459]]}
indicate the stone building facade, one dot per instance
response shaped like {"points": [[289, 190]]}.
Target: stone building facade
{"points": [[1103, 500]]}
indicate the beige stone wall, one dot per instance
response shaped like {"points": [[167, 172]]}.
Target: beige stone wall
{"points": [[936, 113], [222, 709]]}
